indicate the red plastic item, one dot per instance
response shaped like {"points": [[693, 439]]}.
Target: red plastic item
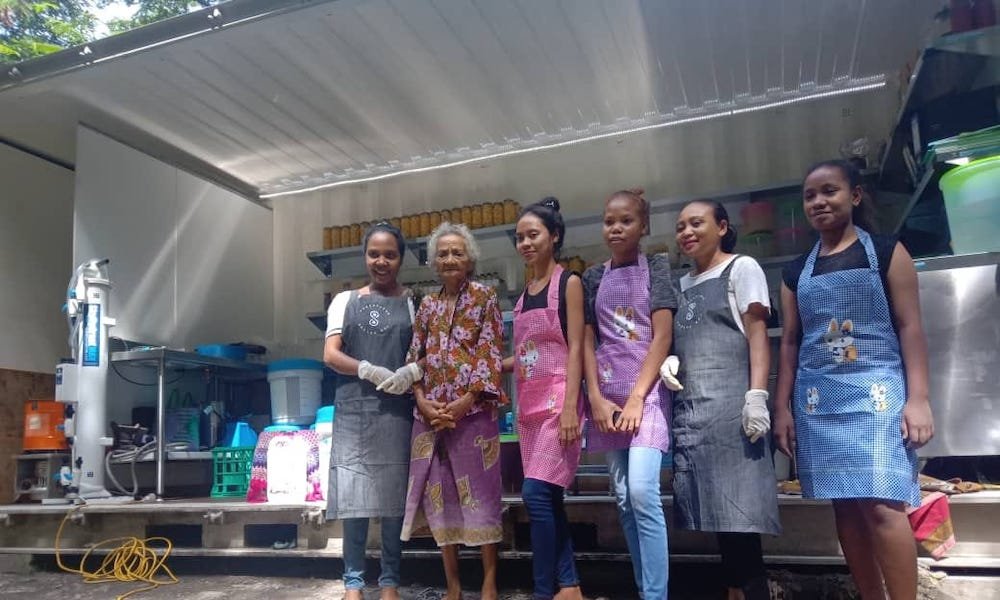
{"points": [[984, 14], [43, 420], [960, 13]]}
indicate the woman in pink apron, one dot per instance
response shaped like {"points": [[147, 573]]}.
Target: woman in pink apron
{"points": [[547, 363], [852, 399], [629, 306]]}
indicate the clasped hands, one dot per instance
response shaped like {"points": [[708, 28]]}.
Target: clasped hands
{"points": [[441, 415]]}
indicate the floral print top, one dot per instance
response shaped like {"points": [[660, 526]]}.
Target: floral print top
{"points": [[463, 351]]}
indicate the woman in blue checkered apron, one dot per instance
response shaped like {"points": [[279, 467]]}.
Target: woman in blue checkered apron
{"points": [[852, 398]]}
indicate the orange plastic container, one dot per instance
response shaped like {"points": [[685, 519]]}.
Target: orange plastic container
{"points": [[43, 421]]}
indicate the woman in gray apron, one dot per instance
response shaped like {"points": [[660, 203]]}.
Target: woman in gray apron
{"points": [[723, 473], [368, 334]]}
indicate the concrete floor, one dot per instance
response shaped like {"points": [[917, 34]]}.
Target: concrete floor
{"points": [[307, 579]]}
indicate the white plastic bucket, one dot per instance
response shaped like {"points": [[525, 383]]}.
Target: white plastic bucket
{"points": [[296, 390]]}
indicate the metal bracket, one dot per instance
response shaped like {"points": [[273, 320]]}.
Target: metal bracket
{"points": [[77, 518], [214, 517], [5, 520], [314, 516]]}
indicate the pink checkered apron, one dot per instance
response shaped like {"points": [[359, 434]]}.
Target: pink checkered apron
{"points": [[625, 329], [540, 370]]}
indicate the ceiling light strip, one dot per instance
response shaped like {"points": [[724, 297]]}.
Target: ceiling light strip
{"points": [[876, 83]]}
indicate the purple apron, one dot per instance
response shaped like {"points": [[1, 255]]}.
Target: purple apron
{"points": [[625, 329]]}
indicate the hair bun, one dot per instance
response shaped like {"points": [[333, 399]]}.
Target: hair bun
{"points": [[638, 192], [551, 202]]}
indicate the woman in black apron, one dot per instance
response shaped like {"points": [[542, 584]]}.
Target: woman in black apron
{"points": [[723, 474], [368, 334]]}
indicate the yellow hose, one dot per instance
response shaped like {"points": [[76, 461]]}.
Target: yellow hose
{"points": [[132, 560]]}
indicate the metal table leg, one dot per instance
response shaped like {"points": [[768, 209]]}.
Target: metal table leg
{"points": [[161, 424]]}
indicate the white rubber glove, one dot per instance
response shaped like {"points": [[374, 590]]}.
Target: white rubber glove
{"points": [[373, 373], [756, 418], [668, 373], [402, 380]]}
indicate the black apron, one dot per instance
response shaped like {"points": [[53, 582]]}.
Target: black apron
{"points": [[370, 457], [722, 482]]}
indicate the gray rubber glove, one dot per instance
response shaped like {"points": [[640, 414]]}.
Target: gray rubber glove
{"points": [[373, 373], [756, 418], [402, 380], [668, 373]]}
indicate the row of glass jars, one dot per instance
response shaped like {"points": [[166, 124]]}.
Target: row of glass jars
{"points": [[421, 225]]}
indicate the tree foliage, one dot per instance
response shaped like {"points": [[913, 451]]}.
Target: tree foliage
{"points": [[30, 28]]}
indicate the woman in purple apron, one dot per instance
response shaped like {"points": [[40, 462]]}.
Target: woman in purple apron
{"points": [[548, 346], [629, 315], [852, 398]]}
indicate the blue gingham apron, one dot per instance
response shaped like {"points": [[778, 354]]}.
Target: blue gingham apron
{"points": [[850, 388]]}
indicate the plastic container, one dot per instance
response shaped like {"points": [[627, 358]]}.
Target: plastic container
{"points": [[43, 426], [231, 469], [282, 428], [972, 200], [296, 390], [758, 245], [241, 435], [230, 351], [793, 240], [757, 217]]}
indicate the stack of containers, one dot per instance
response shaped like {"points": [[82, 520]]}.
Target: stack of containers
{"points": [[324, 433], [756, 237], [792, 234]]}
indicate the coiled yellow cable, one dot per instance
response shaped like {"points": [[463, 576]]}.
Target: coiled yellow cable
{"points": [[132, 560]]}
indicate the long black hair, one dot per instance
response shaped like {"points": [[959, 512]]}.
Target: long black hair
{"points": [[547, 211], [862, 215], [389, 228]]}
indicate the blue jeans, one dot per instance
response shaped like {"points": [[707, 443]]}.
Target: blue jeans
{"points": [[355, 537], [551, 546], [636, 476]]}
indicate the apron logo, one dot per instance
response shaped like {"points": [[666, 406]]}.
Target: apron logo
{"points": [[840, 341], [691, 311], [625, 323], [812, 400], [375, 318], [607, 373], [527, 355], [879, 395]]}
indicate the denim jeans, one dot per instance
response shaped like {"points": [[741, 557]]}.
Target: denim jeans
{"points": [[551, 547], [636, 475], [355, 536]]}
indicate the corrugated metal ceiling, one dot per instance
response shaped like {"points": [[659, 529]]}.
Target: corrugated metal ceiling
{"points": [[343, 90]]}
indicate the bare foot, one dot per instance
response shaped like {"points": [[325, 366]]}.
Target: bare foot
{"points": [[353, 595], [569, 593], [389, 593], [489, 593]]}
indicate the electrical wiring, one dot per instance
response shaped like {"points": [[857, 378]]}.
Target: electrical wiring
{"points": [[132, 456], [133, 560]]}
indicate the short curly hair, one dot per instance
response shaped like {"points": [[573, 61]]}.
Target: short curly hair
{"points": [[447, 228]]}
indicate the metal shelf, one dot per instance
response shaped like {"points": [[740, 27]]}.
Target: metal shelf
{"points": [[177, 360], [318, 319]]}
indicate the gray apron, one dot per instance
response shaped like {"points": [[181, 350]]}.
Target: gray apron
{"points": [[370, 457], [722, 482]]}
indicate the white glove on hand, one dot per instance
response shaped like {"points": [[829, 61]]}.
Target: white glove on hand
{"points": [[756, 418], [402, 380], [373, 373], [668, 373]]}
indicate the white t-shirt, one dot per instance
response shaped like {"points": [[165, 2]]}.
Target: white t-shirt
{"points": [[337, 308], [747, 285]]}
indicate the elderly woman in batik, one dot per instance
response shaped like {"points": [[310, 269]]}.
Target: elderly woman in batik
{"points": [[454, 483]]}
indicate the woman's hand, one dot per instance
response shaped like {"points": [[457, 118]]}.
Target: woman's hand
{"points": [[783, 427], [569, 425], [431, 411], [918, 422], [461, 407], [631, 415], [602, 410]]}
